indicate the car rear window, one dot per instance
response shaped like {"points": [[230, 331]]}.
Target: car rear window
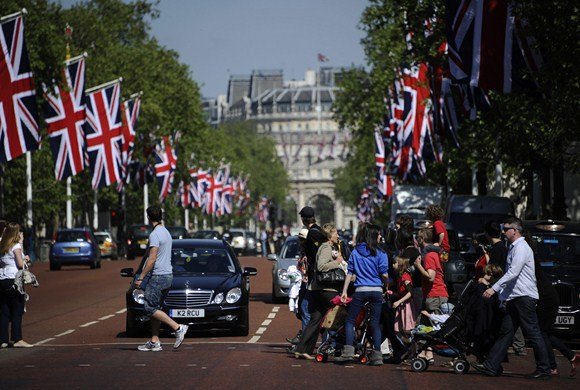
{"points": [[552, 249], [142, 231], [205, 234], [71, 236], [236, 234], [202, 260]]}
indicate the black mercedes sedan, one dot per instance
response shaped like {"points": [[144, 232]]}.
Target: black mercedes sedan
{"points": [[210, 289]]}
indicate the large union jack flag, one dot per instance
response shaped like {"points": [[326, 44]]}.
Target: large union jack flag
{"points": [[165, 164], [130, 114], [103, 133], [18, 114], [64, 112]]}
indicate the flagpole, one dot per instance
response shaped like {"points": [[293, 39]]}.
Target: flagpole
{"points": [[187, 219], [145, 201], [69, 61], [318, 108], [68, 203], [29, 189], [104, 85], [6, 18], [96, 210]]}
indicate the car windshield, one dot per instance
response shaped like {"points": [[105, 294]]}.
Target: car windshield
{"points": [[552, 249], [467, 223], [236, 234], [101, 236], [142, 231], [204, 234], [71, 236], [177, 232], [202, 260], [290, 250]]}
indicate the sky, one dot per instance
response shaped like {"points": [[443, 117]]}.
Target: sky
{"points": [[219, 38]]}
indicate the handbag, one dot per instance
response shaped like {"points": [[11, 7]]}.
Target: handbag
{"points": [[334, 318], [332, 277]]}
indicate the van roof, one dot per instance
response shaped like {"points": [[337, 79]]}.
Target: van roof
{"points": [[480, 204]]}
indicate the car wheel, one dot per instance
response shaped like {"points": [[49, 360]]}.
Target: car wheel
{"points": [[243, 328], [54, 266], [131, 328], [115, 257], [94, 264], [130, 256], [98, 264], [275, 299]]}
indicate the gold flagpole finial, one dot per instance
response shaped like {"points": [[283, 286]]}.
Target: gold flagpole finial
{"points": [[68, 31]]}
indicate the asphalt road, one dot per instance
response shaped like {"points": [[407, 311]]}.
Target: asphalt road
{"points": [[76, 319]]}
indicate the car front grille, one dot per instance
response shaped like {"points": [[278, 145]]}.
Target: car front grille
{"points": [[566, 293], [188, 298]]}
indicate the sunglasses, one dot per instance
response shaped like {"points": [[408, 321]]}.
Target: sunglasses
{"points": [[507, 229]]}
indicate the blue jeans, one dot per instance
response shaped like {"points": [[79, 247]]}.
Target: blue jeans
{"points": [[376, 303], [155, 292], [264, 248], [304, 311], [520, 311]]}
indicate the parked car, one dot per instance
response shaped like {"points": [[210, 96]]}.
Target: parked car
{"points": [[210, 289], [288, 256], [556, 246], [107, 245], [76, 246], [241, 241], [178, 232], [207, 234], [137, 240]]}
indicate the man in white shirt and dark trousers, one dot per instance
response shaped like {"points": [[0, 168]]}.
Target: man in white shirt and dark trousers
{"points": [[158, 261], [518, 291]]}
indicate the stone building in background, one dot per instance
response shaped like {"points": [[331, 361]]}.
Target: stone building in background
{"points": [[310, 143]]}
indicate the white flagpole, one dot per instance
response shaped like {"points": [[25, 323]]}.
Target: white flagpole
{"points": [[187, 219], [68, 203], [145, 202], [29, 189], [119, 80], [96, 210], [6, 18], [318, 107]]}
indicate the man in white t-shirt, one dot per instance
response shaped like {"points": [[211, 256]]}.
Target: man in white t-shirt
{"points": [[159, 264]]}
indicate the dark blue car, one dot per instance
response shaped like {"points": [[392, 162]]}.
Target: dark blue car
{"points": [[210, 289], [77, 246]]}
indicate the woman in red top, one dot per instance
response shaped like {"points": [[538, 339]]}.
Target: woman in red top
{"points": [[435, 214]]}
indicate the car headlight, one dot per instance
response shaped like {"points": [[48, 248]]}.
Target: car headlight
{"points": [[460, 266], [139, 296], [282, 274], [219, 298], [234, 295]]}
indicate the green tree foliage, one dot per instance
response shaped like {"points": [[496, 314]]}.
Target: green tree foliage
{"points": [[527, 129]]}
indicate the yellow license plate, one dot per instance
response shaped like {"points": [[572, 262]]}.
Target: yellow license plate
{"points": [[71, 250]]}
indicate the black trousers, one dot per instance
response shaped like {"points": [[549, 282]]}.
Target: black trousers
{"points": [[11, 312], [318, 306]]}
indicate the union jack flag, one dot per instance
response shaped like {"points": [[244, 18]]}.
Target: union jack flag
{"points": [[213, 193], [184, 195], [384, 181], [18, 113], [263, 210], [65, 116], [130, 113], [165, 164], [103, 133]]}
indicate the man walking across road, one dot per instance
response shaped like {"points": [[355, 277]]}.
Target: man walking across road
{"points": [[158, 261], [518, 290]]}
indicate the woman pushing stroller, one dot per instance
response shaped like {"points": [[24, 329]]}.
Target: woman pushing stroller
{"points": [[369, 265]]}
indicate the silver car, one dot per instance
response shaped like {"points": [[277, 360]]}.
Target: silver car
{"points": [[289, 254]]}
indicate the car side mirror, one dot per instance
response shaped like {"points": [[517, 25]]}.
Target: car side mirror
{"points": [[272, 257], [127, 272], [250, 271]]}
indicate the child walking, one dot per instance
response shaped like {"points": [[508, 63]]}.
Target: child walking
{"points": [[435, 214], [404, 308]]}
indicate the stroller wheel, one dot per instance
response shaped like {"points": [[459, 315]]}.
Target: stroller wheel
{"points": [[460, 367], [363, 359], [419, 365], [321, 358]]}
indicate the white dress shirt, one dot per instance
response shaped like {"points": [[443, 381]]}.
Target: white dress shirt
{"points": [[519, 279]]}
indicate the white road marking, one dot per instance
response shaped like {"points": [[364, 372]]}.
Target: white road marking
{"points": [[106, 317], [140, 365], [254, 339], [89, 324], [192, 365], [65, 333], [260, 330], [231, 347], [275, 309], [84, 365], [297, 365], [204, 368], [121, 311], [45, 341], [266, 322], [244, 365], [272, 316], [30, 366]]}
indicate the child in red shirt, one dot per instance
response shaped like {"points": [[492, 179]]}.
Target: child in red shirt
{"points": [[435, 214]]}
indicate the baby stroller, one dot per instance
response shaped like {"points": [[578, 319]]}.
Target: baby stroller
{"points": [[451, 340], [336, 338]]}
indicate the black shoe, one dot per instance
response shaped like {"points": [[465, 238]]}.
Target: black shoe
{"points": [[540, 375], [296, 339], [483, 369]]}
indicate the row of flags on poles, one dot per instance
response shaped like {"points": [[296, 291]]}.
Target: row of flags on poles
{"points": [[486, 49], [95, 129]]}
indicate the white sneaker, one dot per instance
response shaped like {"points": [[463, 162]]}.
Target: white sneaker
{"points": [[150, 346], [22, 344], [180, 335]]}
